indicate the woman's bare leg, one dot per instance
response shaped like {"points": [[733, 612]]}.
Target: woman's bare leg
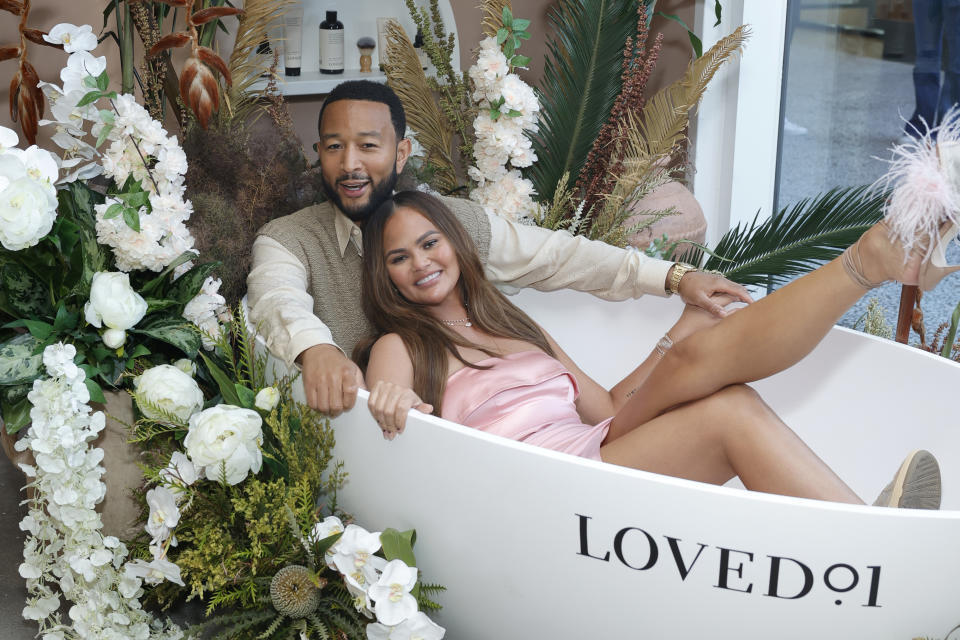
{"points": [[731, 432], [764, 338]]}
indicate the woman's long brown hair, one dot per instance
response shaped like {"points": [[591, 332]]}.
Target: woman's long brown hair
{"points": [[428, 341]]}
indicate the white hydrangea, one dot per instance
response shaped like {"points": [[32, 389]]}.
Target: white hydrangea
{"points": [[502, 145], [136, 145]]}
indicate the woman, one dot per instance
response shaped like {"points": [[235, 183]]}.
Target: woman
{"points": [[449, 343]]}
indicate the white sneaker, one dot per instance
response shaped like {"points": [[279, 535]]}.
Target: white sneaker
{"points": [[916, 484], [792, 128]]}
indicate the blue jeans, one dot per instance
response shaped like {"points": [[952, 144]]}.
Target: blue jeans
{"points": [[932, 21]]}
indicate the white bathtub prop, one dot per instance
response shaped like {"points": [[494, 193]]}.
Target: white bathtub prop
{"points": [[533, 544]]}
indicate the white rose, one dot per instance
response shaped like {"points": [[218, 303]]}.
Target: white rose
{"points": [[167, 387], [27, 211], [189, 367], [267, 398], [114, 338], [225, 441], [113, 302]]}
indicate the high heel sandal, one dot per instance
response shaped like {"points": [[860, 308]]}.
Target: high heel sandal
{"points": [[922, 214]]}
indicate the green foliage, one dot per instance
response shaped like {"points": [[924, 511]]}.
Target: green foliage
{"points": [[794, 240], [43, 290], [581, 80]]}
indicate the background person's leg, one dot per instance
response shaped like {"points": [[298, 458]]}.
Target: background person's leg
{"points": [[928, 31], [950, 90]]}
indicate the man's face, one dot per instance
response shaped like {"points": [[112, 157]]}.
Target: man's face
{"points": [[359, 156]]}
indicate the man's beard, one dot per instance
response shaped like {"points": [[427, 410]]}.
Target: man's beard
{"points": [[379, 192]]}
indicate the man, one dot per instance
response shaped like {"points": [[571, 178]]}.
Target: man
{"points": [[304, 285]]}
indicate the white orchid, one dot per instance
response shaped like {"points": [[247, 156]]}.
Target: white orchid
{"points": [[331, 525], [391, 593], [417, 627], [64, 542], [353, 555], [154, 572], [72, 38], [203, 311], [164, 513], [80, 65], [8, 139], [180, 473]]}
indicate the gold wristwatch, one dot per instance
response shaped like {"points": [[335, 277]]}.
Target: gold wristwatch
{"points": [[678, 270]]}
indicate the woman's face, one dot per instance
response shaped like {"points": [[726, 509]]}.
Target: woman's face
{"points": [[420, 260]]}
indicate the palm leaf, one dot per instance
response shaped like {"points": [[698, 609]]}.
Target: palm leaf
{"points": [[246, 68], [493, 15], [795, 240], [581, 79]]}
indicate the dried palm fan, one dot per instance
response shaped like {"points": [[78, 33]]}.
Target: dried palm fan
{"points": [[405, 76], [245, 67], [493, 15], [650, 138], [654, 134]]}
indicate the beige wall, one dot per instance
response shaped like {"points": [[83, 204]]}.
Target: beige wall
{"points": [[46, 13]]}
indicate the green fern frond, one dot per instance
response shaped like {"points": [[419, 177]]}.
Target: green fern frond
{"points": [[426, 595], [795, 240], [322, 631], [230, 624], [272, 628], [581, 80]]}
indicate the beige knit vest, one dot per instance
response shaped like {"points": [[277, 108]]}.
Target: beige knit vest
{"points": [[334, 281]]}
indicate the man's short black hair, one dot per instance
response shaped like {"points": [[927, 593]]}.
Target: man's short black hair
{"points": [[373, 92]]}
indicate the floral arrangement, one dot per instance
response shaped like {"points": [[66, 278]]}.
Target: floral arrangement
{"points": [[507, 113], [107, 270], [580, 128], [232, 511], [98, 289]]}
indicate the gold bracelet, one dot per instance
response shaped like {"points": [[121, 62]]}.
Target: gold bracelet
{"points": [[679, 270]]}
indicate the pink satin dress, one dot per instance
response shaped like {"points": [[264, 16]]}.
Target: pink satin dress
{"points": [[526, 396]]}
